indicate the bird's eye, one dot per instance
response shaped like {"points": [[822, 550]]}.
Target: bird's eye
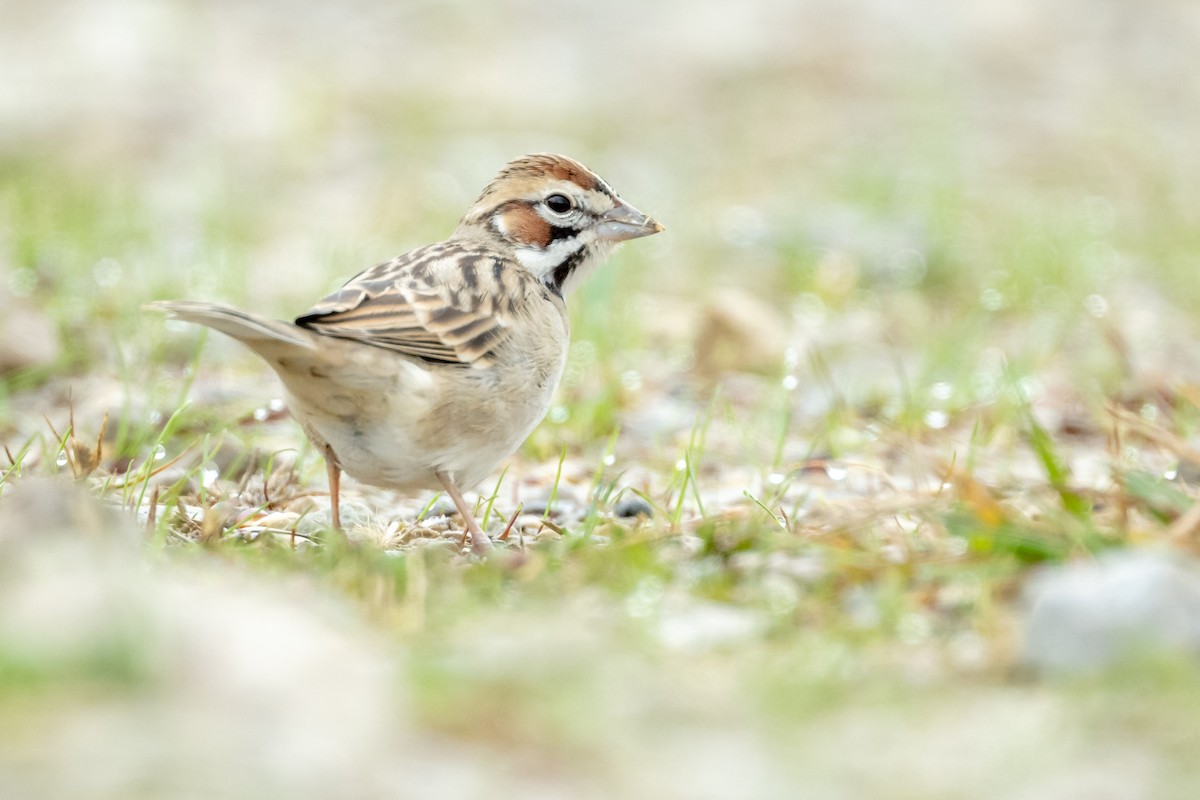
{"points": [[558, 203]]}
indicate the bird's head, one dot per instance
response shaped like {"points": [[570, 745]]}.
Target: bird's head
{"points": [[558, 217]]}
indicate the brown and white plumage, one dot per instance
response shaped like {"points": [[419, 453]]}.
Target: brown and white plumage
{"points": [[452, 302], [428, 370]]}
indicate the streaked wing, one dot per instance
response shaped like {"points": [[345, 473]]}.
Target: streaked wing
{"points": [[448, 302]]}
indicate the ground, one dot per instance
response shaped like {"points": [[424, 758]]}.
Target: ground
{"points": [[920, 333]]}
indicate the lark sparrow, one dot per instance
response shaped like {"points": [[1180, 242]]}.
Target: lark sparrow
{"points": [[428, 370]]}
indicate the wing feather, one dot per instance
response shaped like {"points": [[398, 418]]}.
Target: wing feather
{"points": [[447, 303]]}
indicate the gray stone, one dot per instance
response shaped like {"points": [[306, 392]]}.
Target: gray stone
{"points": [[631, 505], [1091, 614]]}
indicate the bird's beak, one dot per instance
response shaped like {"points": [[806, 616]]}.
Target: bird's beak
{"points": [[626, 222]]}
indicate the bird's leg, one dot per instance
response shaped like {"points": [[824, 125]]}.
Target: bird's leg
{"points": [[480, 543], [335, 482]]}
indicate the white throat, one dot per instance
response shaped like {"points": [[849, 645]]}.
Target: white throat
{"points": [[543, 261]]}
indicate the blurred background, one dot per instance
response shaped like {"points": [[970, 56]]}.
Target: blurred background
{"points": [[883, 183], [881, 218], [938, 166]]}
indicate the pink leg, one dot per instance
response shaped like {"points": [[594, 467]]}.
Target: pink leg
{"points": [[335, 483], [480, 543]]}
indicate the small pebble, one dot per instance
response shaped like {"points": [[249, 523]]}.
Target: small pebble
{"points": [[176, 475], [536, 507], [279, 520], [302, 505], [1188, 472], [631, 505], [443, 507], [355, 513]]}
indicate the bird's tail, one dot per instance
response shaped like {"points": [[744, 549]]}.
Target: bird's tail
{"points": [[253, 331]]}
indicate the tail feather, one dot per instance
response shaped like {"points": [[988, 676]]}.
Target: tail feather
{"points": [[244, 327], [321, 378]]}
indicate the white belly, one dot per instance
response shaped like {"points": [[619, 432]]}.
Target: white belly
{"points": [[400, 433]]}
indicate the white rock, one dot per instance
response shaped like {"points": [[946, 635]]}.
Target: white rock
{"points": [[1090, 614]]}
